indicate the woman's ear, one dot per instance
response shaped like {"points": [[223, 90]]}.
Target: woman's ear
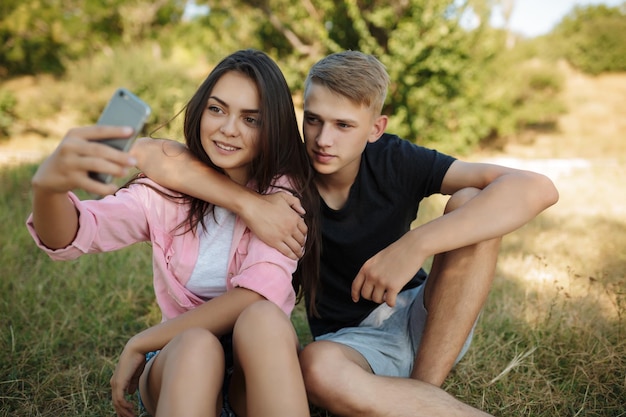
{"points": [[378, 128]]}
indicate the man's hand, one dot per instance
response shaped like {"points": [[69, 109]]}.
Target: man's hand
{"points": [[277, 220], [383, 275]]}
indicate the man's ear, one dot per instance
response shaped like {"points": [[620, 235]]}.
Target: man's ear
{"points": [[378, 128]]}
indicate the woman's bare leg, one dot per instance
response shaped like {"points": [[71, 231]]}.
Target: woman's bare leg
{"points": [[265, 347], [185, 378]]}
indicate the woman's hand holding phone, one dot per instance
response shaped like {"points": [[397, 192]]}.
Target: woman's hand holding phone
{"points": [[54, 216], [82, 161], [80, 153]]}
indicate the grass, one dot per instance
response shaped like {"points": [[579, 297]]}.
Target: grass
{"points": [[63, 323], [551, 340]]}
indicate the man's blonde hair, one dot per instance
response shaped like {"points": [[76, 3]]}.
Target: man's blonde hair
{"points": [[359, 77]]}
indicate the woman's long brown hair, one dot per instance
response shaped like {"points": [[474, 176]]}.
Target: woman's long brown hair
{"points": [[281, 153]]}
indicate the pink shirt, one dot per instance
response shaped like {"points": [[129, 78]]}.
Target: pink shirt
{"points": [[140, 214]]}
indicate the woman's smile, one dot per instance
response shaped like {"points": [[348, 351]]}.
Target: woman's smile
{"points": [[225, 147]]}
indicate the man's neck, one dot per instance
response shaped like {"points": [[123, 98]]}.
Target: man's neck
{"points": [[335, 188]]}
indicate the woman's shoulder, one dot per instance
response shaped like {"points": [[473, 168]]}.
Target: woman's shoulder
{"points": [[279, 183], [147, 185]]}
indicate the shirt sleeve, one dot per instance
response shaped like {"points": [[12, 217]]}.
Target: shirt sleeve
{"points": [[420, 169], [104, 225]]}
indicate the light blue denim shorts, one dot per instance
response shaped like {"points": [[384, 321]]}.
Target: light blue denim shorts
{"points": [[388, 337]]}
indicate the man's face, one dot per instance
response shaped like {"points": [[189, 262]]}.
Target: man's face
{"points": [[336, 131]]}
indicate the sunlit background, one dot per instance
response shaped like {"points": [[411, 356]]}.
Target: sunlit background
{"points": [[535, 84]]}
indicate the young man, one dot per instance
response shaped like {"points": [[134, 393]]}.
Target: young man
{"points": [[387, 335]]}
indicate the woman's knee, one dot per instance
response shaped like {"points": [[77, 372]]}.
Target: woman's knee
{"points": [[194, 356], [262, 319], [195, 344]]}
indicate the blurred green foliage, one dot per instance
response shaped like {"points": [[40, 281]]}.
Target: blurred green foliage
{"points": [[593, 38], [7, 112], [42, 35], [453, 87], [164, 82]]}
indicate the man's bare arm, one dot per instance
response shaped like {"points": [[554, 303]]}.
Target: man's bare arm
{"points": [[275, 218], [507, 200]]}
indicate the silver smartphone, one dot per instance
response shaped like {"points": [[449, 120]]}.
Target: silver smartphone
{"points": [[124, 109]]}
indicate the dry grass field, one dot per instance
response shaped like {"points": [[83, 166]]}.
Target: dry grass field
{"points": [[558, 307], [578, 246]]}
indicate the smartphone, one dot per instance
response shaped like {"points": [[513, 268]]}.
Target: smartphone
{"points": [[124, 109]]}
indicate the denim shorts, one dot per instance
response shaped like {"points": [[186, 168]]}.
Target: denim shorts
{"points": [[388, 337]]}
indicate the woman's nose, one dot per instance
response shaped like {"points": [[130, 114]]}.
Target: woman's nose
{"points": [[229, 127]]}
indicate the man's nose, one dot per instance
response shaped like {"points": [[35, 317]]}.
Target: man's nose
{"points": [[324, 137]]}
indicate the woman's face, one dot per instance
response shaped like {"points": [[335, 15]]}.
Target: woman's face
{"points": [[230, 125]]}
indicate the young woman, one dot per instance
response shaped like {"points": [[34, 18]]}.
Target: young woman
{"points": [[213, 277]]}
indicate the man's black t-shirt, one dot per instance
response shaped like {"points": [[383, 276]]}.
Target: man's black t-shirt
{"points": [[394, 176]]}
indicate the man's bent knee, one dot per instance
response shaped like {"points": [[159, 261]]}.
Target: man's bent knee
{"points": [[329, 370], [323, 367], [461, 197]]}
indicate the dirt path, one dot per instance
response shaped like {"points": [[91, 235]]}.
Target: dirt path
{"points": [[25, 148]]}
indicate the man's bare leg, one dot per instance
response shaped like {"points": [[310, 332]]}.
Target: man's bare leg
{"points": [[455, 293], [339, 380], [267, 379]]}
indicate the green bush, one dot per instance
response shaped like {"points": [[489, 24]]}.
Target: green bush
{"points": [[165, 83], [7, 112], [447, 90], [527, 98], [42, 36], [594, 38]]}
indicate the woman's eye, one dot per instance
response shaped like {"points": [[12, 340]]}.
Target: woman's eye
{"points": [[252, 121], [214, 109]]}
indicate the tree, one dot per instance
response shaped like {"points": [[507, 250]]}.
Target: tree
{"points": [[594, 38], [433, 61], [40, 36]]}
